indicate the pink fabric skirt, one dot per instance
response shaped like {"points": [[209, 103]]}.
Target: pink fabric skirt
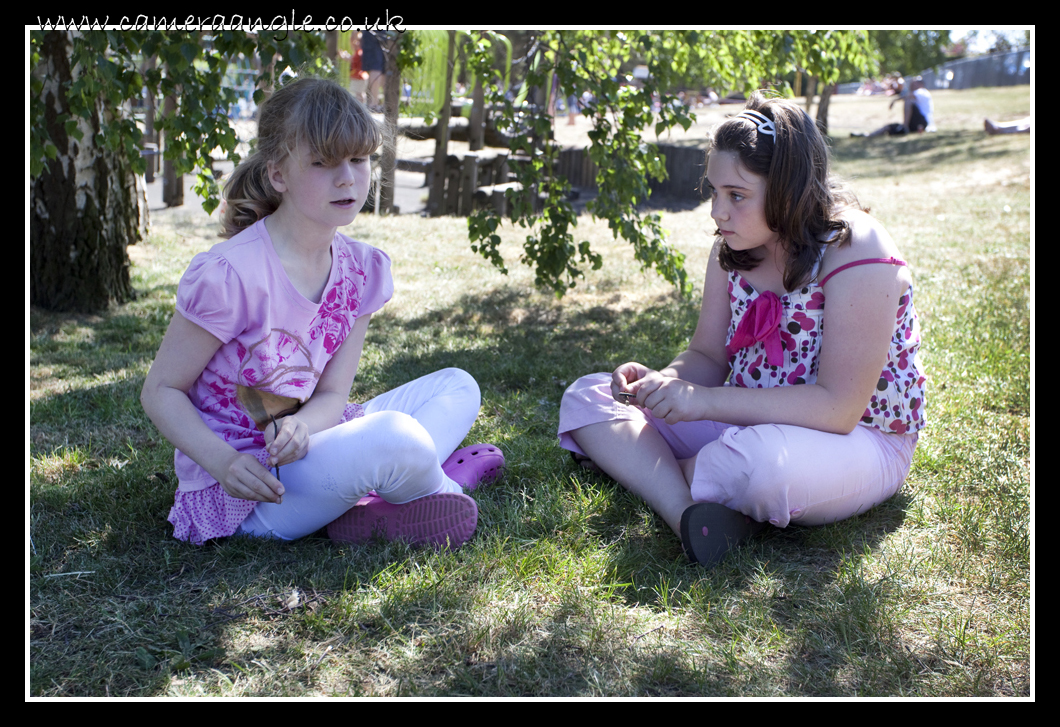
{"points": [[771, 472]]}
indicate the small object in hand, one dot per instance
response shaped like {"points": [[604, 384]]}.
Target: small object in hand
{"points": [[276, 433], [627, 395]]}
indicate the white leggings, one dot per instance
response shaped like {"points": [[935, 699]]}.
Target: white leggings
{"points": [[395, 449]]}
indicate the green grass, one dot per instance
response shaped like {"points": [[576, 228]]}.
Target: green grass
{"points": [[571, 586]]}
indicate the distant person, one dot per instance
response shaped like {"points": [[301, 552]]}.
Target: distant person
{"points": [[572, 109], [918, 111], [870, 87], [358, 76], [1022, 126], [373, 60]]}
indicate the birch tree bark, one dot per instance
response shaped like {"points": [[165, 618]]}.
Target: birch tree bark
{"points": [[86, 208]]}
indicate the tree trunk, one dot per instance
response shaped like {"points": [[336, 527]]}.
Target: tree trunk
{"points": [[441, 144], [476, 132], [822, 107], [391, 101], [149, 127], [86, 206], [811, 89], [172, 183]]}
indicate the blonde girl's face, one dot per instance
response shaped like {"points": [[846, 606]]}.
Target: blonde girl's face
{"points": [[320, 193], [738, 203]]}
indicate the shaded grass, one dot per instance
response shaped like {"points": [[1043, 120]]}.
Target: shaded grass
{"points": [[571, 586]]}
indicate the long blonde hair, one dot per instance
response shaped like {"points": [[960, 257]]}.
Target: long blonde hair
{"points": [[315, 113]]}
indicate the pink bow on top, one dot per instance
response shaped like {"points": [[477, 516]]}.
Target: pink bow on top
{"points": [[761, 323]]}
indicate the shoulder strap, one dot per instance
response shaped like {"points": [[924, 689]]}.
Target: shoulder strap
{"points": [[867, 261]]}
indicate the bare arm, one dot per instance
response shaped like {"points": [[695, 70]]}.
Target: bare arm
{"points": [[184, 353], [706, 361], [859, 319]]}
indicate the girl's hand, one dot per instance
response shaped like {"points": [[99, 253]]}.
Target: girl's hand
{"points": [[288, 442], [245, 478], [625, 375], [671, 399]]}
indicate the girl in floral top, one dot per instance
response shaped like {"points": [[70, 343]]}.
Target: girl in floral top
{"points": [[800, 396], [251, 381]]}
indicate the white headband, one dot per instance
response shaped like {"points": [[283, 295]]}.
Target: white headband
{"points": [[764, 124]]}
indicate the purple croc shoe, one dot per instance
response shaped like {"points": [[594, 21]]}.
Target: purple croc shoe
{"points": [[443, 520], [474, 466]]}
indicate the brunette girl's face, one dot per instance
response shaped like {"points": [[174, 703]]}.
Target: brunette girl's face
{"points": [[738, 202]]}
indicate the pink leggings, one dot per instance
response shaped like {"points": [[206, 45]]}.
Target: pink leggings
{"points": [[771, 472]]}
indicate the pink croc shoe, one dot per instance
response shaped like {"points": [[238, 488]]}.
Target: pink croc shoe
{"points": [[474, 466], [441, 520]]}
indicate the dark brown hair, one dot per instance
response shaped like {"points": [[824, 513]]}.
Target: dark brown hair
{"points": [[314, 112], [803, 200]]}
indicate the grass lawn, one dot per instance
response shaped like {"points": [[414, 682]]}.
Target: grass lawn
{"points": [[571, 587]]}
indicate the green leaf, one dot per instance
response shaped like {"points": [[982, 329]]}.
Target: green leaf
{"points": [[190, 51]]}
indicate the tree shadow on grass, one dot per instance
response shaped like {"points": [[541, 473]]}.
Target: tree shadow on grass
{"points": [[524, 350], [558, 345], [835, 647], [509, 338], [917, 152], [97, 346], [85, 375]]}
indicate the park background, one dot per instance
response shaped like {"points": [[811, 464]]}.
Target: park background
{"points": [[571, 587]]}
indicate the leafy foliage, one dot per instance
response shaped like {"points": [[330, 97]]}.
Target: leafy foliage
{"points": [[109, 65], [910, 51], [597, 63], [191, 67]]}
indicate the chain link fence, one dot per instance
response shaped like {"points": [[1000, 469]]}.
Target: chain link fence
{"points": [[996, 69]]}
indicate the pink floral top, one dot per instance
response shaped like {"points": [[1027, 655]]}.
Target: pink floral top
{"points": [[786, 353], [275, 345]]}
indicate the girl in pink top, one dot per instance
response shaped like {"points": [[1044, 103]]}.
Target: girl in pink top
{"points": [[800, 396], [251, 381]]}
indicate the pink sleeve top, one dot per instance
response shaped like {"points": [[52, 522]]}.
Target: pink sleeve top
{"points": [[275, 344]]}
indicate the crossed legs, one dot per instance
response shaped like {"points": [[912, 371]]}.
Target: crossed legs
{"points": [[395, 450], [771, 473]]}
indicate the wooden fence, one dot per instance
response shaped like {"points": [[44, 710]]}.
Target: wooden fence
{"points": [[473, 175], [478, 179], [684, 167]]}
